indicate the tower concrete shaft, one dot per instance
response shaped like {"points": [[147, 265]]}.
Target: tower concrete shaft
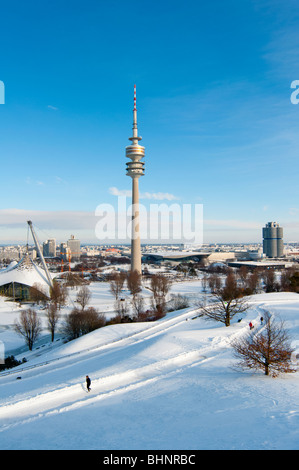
{"points": [[135, 169]]}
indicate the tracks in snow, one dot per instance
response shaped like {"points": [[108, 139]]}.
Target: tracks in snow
{"points": [[144, 333], [73, 397]]}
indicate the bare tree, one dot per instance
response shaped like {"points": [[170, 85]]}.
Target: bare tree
{"points": [[122, 310], [58, 294], [91, 320], [268, 349], [204, 282], [243, 275], [29, 327], [72, 324], [225, 302], [179, 302], [83, 297], [223, 310], [117, 281], [73, 280], [289, 280], [230, 290], [214, 282], [160, 286], [138, 305], [80, 322], [37, 293], [134, 282], [252, 283], [294, 282], [269, 279], [52, 317]]}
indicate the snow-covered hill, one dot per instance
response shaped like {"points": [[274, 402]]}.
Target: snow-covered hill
{"points": [[164, 385]]}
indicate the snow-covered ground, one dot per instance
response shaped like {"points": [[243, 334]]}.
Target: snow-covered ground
{"points": [[164, 385]]}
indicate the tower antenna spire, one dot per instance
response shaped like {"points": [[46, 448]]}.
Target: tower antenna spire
{"points": [[135, 109], [135, 137]]}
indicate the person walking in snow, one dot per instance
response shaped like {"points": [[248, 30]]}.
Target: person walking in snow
{"points": [[250, 325], [88, 382]]}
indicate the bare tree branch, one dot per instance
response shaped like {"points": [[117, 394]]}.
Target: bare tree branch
{"points": [[223, 310], [29, 327], [268, 349]]}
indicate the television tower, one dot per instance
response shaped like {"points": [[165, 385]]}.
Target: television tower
{"points": [[135, 169]]}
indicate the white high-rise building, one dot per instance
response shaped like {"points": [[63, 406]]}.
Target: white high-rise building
{"points": [[74, 245]]}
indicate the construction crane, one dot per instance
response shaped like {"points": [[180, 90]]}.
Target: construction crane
{"points": [[40, 253]]}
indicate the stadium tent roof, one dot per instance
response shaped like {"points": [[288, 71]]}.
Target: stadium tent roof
{"points": [[25, 272], [175, 255]]}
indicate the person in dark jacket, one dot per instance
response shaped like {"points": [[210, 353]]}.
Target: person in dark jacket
{"points": [[88, 382]]}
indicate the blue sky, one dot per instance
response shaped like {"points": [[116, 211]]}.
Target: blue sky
{"points": [[213, 97]]}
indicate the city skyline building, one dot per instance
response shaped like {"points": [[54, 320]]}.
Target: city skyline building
{"points": [[273, 240], [65, 251], [74, 245], [49, 247], [135, 169]]}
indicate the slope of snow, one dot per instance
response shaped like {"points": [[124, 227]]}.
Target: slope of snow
{"points": [[164, 385]]}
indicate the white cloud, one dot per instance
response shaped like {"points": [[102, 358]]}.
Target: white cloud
{"points": [[61, 224], [233, 224], [47, 220], [31, 182], [120, 192], [294, 211], [155, 196], [158, 196], [59, 180]]}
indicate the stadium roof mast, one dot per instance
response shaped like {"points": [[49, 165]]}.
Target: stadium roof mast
{"points": [[40, 253]]}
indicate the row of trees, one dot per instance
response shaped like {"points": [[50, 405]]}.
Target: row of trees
{"points": [[29, 325], [159, 286], [84, 319], [268, 349], [252, 281], [78, 322]]}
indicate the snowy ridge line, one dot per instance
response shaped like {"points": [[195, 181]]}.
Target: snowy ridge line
{"points": [[174, 321], [69, 398], [271, 301]]}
